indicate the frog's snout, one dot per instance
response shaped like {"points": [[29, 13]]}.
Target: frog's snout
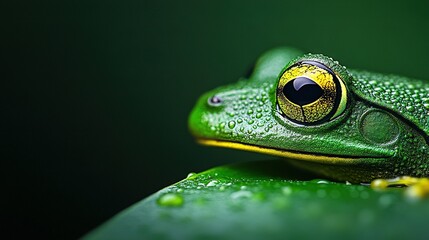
{"points": [[214, 101], [204, 116]]}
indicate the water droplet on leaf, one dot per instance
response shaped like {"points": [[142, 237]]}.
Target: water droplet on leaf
{"points": [[170, 200]]}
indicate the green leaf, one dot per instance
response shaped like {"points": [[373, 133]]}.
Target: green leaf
{"points": [[269, 200]]}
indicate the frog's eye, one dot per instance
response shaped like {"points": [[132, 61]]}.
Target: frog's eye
{"points": [[310, 93]]}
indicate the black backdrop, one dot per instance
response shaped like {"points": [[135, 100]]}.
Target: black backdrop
{"points": [[96, 94]]}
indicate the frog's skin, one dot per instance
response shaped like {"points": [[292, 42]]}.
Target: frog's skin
{"points": [[378, 128]]}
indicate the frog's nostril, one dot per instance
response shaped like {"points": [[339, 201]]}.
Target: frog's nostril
{"points": [[214, 101]]}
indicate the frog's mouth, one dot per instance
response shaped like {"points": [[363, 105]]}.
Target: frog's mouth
{"points": [[306, 156]]}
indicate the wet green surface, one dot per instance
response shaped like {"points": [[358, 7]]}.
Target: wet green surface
{"points": [[268, 200]]}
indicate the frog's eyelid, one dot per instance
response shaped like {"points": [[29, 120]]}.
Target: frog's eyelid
{"points": [[343, 99]]}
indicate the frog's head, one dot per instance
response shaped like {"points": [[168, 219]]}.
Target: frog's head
{"points": [[303, 107]]}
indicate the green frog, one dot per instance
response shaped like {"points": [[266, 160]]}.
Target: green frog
{"points": [[345, 124]]}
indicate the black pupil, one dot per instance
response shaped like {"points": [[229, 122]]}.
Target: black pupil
{"points": [[302, 91]]}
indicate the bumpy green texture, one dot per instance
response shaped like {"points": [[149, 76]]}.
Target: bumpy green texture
{"points": [[407, 97], [383, 131], [268, 200]]}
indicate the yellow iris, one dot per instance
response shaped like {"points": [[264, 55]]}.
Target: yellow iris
{"points": [[321, 107]]}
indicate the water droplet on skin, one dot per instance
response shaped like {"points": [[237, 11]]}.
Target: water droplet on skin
{"points": [[170, 200], [231, 124], [258, 115], [410, 108]]}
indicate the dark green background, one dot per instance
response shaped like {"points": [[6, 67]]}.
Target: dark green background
{"points": [[96, 94]]}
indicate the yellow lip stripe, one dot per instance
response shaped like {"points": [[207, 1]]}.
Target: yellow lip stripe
{"points": [[279, 152]]}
